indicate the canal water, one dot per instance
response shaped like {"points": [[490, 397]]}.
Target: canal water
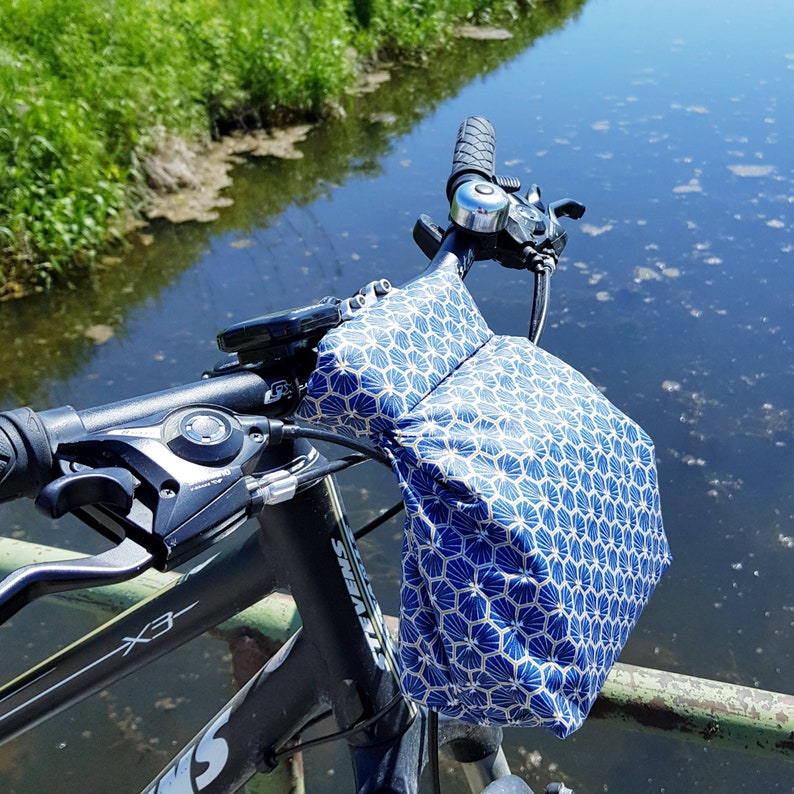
{"points": [[673, 123]]}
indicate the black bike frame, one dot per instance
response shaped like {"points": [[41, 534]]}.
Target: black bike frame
{"points": [[342, 658]]}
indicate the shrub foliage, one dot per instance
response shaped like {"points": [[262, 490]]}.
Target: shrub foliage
{"points": [[86, 88]]}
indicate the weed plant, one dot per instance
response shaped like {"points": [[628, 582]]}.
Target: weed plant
{"points": [[86, 88]]}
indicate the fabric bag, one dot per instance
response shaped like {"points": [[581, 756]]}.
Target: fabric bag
{"points": [[533, 534]]}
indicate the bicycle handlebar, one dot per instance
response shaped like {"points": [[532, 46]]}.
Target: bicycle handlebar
{"points": [[29, 439], [25, 454], [473, 156]]}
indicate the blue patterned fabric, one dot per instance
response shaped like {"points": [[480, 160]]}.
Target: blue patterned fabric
{"points": [[533, 532]]}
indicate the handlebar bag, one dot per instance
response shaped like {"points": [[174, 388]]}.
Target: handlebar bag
{"points": [[533, 534]]}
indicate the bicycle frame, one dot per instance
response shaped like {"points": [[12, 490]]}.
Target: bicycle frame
{"points": [[342, 659]]}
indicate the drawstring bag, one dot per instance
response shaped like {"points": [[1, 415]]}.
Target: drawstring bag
{"points": [[533, 533]]}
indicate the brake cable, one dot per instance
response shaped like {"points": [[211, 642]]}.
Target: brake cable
{"points": [[432, 751], [357, 727], [301, 431], [394, 510]]}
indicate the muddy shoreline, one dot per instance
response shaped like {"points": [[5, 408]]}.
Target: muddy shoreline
{"points": [[188, 179]]}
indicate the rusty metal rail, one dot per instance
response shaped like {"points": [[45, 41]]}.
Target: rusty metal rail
{"points": [[732, 716], [728, 715]]}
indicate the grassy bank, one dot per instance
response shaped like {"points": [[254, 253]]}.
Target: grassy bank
{"points": [[89, 88]]}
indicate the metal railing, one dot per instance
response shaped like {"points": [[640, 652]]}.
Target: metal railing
{"points": [[721, 714]]}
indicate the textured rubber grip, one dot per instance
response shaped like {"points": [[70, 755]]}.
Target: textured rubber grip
{"points": [[7, 456], [25, 456], [474, 152]]}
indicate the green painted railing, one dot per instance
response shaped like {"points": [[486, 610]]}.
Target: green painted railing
{"points": [[639, 698]]}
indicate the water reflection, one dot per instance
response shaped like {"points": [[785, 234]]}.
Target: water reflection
{"points": [[52, 337]]}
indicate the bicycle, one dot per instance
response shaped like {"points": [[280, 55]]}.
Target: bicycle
{"points": [[165, 476]]}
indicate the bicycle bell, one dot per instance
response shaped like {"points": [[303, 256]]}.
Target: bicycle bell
{"points": [[480, 207]]}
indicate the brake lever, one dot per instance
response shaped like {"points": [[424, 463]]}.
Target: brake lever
{"points": [[174, 483], [565, 208], [111, 485], [162, 489], [519, 232], [118, 564], [534, 238]]}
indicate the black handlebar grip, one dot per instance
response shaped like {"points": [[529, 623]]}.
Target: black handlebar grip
{"points": [[25, 454], [8, 457], [474, 153]]}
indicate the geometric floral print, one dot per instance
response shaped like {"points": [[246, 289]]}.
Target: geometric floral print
{"points": [[533, 535]]}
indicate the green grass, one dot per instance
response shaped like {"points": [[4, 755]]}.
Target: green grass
{"points": [[87, 88]]}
